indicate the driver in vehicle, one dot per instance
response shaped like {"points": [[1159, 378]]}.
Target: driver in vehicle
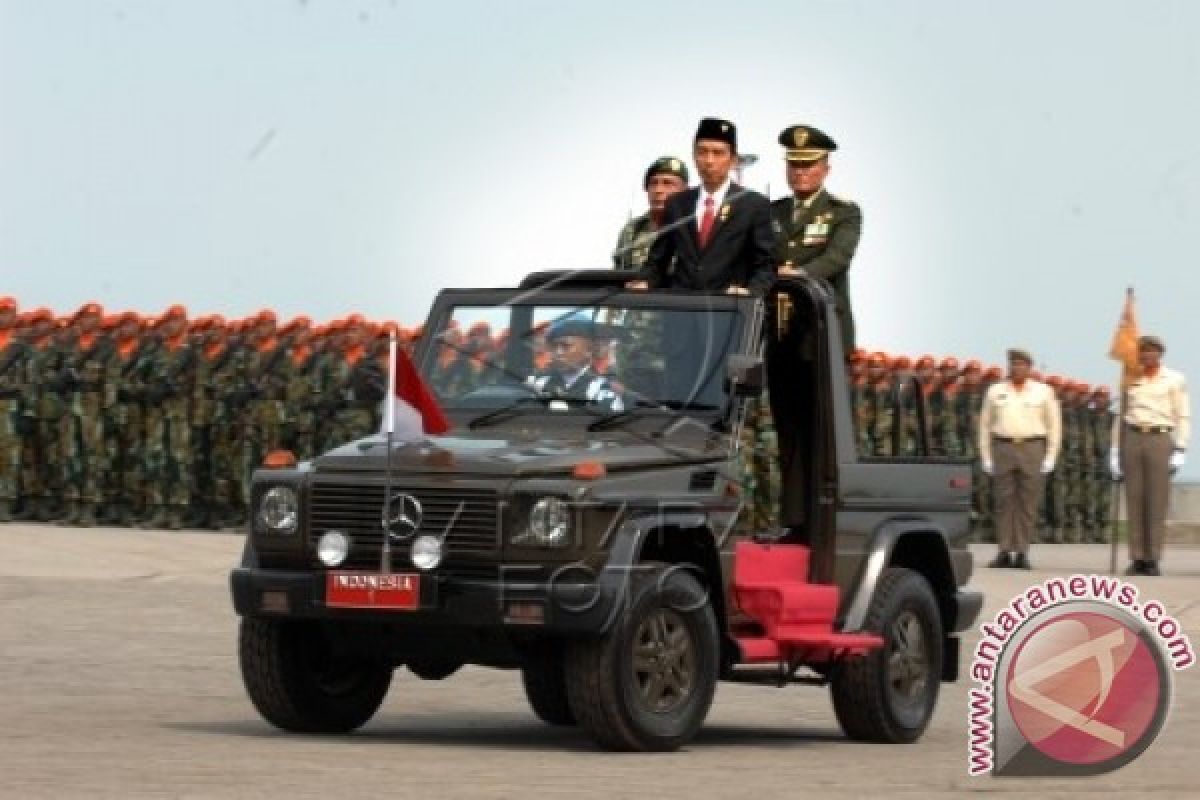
{"points": [[575, 346]]}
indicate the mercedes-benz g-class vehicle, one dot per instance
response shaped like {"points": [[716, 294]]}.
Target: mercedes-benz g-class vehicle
{"points": [[594, 518]]}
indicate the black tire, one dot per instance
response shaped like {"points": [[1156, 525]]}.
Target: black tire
{"points": [[658, 701], [299, 684], [543, 674], [889, 695]]}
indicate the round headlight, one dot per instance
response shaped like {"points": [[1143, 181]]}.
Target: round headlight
{"points": [[426, 552], [332, 548], [279, 510], [550, 522]]}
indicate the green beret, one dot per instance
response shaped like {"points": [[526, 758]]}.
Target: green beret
{"points": [[667, 165]]}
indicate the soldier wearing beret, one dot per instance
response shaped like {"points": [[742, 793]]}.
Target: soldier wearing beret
{"points": [[1149, 450], [664, 178], [575, 344], [717, 237], [1020, 430], [816, 231]]}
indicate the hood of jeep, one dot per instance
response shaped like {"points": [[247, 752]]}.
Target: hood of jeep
{"points": [[485, 453]]}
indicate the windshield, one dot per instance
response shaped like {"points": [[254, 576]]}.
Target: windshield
{"points": [[605, 357]]}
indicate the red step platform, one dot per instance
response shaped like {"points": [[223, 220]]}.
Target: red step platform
{"points": [[770, 583]]}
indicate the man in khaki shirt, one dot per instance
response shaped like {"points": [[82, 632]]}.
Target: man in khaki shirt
{"points": [[1020, 429], [1148, 450]]}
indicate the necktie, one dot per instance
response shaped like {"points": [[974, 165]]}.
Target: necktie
{"points": [[706, 222]]}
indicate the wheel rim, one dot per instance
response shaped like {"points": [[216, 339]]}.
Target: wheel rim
{"points": [[664, 662], [908, 664]]}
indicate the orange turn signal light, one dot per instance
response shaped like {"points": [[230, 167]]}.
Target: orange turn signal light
{"points": [[589, 470], [279, 459]]}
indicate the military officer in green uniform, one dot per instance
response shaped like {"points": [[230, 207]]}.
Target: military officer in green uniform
{"points": [[816, 231], [664, 178], [1100, 486], [13, 357]]}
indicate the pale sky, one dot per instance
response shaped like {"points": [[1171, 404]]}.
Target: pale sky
{"points": [[1019, 164]]}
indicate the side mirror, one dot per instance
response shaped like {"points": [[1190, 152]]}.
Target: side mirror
{"points": [[747, 375]]}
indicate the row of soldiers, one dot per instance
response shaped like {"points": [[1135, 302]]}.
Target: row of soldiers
{"points": [[896, 399], [159, 421]]}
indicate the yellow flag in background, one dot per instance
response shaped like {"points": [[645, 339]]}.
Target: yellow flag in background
{"points": [[1124, 346]]}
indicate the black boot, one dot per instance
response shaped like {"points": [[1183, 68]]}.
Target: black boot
{"points": [[1001, 561], [1150, 568], [27, 512], [1021, 561]]}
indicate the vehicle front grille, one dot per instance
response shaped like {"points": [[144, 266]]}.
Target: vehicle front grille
{"points": [[467, 518]]}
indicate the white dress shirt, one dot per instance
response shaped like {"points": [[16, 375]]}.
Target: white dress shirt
{"points": [[718, 199]]}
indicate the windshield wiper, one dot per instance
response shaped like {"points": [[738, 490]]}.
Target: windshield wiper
{"points": [[620, 417], [497, 414]]}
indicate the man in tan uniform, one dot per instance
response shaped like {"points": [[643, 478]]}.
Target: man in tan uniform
{"points": [[1020, 429], [1149, 450]]}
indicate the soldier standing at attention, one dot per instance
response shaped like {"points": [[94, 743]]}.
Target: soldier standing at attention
{"points": [[1020, 430], [816, 231], [82, 378], [1157, 419], [665, 177], [42, 416], [1099, 496], [13, 355], [970, 401], [169, 374], [127, 498]]}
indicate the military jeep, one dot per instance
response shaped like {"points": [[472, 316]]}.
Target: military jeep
{"points": [[603, 548]]}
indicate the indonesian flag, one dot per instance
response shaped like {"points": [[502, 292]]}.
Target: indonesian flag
{"points": [[1124, 346], [413, 411]]}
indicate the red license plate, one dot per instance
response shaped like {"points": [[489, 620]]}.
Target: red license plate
{"points": [[397, 591]]}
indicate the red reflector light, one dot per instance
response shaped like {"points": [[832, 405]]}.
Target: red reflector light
{"points": [[959, 483], [589, 470], [525, 613], [279, 459]]}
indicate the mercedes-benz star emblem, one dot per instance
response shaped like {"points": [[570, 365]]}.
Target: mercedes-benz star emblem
{"points": [[402, 516]]}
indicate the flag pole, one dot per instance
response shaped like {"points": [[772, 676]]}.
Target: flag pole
{"points": [[1117, 479], [389, 429]]}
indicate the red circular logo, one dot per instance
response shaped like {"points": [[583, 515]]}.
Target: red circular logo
{"points": [[1085, 688]]}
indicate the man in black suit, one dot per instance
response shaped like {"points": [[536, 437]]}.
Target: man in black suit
{"points": [[719, 233]]}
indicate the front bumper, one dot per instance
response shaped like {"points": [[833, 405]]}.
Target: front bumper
{"points": [[566, 608]]}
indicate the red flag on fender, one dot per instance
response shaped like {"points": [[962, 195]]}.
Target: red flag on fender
{"points": [[415, 409]]}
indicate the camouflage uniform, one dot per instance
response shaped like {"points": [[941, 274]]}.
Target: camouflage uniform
{"points": [[168, 372], [862, 410], [633, 243], [759, 473], [352, 391], [265, 414], [88, 392], [880, 413], [300, 395], [14, 355], [232, 389], [970, 403], [126, 426], [41, 467], [1098, 516], [945, 437]]}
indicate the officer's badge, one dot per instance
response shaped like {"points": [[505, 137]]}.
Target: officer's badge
{"points": [[724, 127], [800, 137], [723, 214], [675, 165]]}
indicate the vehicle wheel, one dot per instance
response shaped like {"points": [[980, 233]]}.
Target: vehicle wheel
{"points": [[543, 674], [298, 683], [648, 683], [889, 694]]}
